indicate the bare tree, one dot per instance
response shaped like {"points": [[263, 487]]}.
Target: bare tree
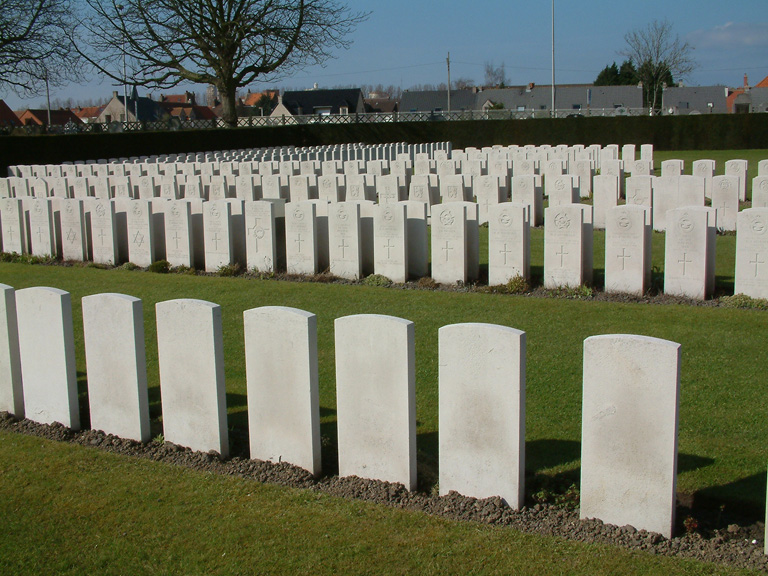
{"points": [[495, 76], [224, 43], [658, 55], [35, 45]]}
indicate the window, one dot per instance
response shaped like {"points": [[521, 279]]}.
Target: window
{"points": [[344, 110], [521, 108], [576, 106]]}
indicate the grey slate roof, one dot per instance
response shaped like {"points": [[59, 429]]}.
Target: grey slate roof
{"points": [[566, 97], [695, 99], [433, 100], [301, 102], [756, 98]]}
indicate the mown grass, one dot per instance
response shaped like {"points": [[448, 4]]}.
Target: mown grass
{"points": [[69, 510]]}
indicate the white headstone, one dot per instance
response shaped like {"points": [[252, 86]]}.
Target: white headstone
{"points": [[525, 190], [449, 243], [725, 200], [760, 192], [113, 326], [564, 245], [418, 238], [605, 197], [11, 392], [178, 233], [47, 353], [344, 245], [12, 224], [282, 380], [482, 411], [376, 398], [301, 238], [73, 239], [689, 252], [390, 241], [261, 235], [628, 249], [751, 276], [190, 354], [738, 168], [103, 231], [218, 235], [509, 251], [141, 238], [629, 431]]}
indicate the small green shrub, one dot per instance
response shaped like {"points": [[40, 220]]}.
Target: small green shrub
{"points": [[229, 270], [160, 267], [426, 283], [98, 265], [183, 270], [16, 258], [129, 266], [744, 302], [582, 292], [377, 280]]}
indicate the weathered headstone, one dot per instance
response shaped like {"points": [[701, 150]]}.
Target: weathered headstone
{"points": [[418, 238], [376, 398], [725, 200], [113, 326], [449, 243], [47, 354], [629, 431], [190, 354], [760, 192], [738, 168], [526, 191], [482, 411], [282, 381], [261, 235]]}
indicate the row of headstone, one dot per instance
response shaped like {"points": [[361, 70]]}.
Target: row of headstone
{"points": [[631, 390], [355, 239]]}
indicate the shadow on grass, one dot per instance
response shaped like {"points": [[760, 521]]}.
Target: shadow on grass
{"points": [[82, 400], [742, 502]]}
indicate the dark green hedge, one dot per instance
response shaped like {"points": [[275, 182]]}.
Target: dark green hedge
{"points": [[715, 132]]}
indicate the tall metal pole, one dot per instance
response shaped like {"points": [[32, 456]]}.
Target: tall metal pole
{"points": [[448, 61], [119, 8], [48, 97], [554, 113]]}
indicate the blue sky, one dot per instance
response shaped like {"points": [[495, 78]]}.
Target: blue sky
{"points": [[404, 43]]}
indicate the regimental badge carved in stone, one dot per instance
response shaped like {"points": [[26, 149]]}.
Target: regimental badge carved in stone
{"points": [[68, 208], [724, 184], [137, 210], [342, 214], [562, 221], [758, 225], [298, 214], [505, 220], [100, 210], [560, 184], [764, 185], [388, 215], [37, 208], [686, 224], [624, 221], [175, 211], [446, 217]]}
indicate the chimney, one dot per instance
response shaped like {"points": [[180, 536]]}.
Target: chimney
{"points": [[114, 93], [746, 81]]}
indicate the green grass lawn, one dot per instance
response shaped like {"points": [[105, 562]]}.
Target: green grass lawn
{"points": [[69, 510]]}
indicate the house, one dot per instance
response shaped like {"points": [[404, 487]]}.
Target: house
{"points": [[748, 99], [436, 101], [684, 100], [184, 107], [89, 114], [319, 102], [116, 111], [186, 98], [381, 103], [58, 117], [580, 98], [7, 116]]}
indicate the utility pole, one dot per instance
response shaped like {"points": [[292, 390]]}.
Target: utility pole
{"points": [[448, 61], [554, 113], [48, 97]]}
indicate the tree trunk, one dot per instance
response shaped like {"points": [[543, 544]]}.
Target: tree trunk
{"points": [[228, 104]]}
